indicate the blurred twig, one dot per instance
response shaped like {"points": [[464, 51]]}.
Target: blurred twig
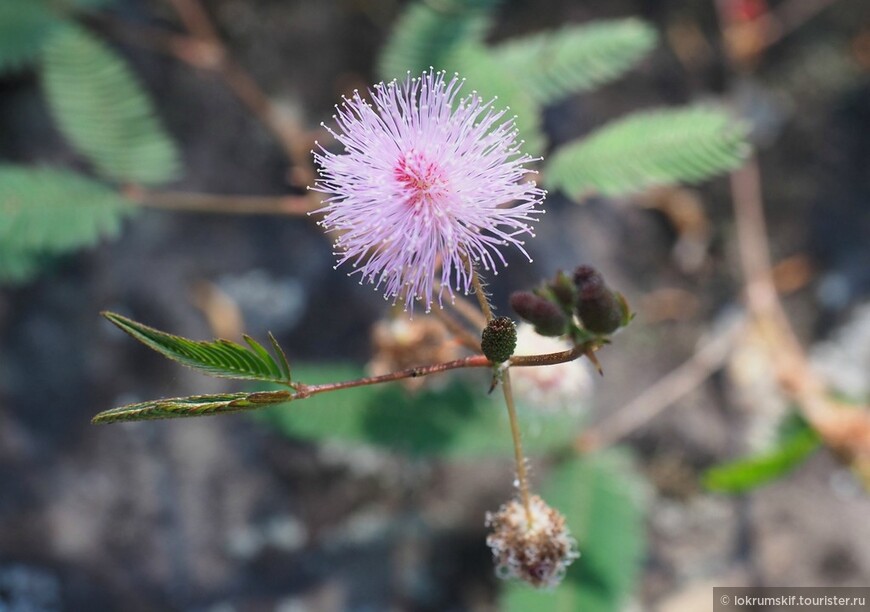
{"points": [[789, 16], [746, 38], [224, 204], [291, 136], [664, 393], [202, 48], [459, 331], [845, 429]]}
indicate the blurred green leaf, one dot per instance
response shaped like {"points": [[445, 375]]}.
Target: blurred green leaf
{"points": [[17, 266], [601, 498], [25, 26], [88, 5], [554, 65], [648, 149], [490, 79], [743, 475], [427, 31], [193, 406], [455, 420], [44, 210], [218, 358], [102, 109]]}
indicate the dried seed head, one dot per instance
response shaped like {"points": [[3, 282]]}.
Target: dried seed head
{"points": [[538, 553], [499, 339]]}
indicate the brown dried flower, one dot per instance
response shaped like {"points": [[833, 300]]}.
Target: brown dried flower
{"points": [[402, 342], [538, 553]]}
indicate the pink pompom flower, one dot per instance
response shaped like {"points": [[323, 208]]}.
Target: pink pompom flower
{"points": [[428, 185]]}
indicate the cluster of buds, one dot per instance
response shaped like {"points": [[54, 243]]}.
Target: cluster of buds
{"points": [[581, 305], [534, 546]]}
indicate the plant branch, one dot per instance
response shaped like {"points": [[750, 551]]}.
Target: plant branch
{"points": [[475, 361], [195, 19], [290, 135], [665, 392], [845, 429], [210, 203]]}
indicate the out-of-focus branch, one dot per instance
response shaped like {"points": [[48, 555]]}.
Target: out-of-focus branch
{"points": [[459, 331], [225, 204], [202, 48], [196, 20], [846, 430], [666, 392], [789, 16], [747, 37]]}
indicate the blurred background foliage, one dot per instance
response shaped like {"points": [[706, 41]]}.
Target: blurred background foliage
{"points": [[626, 102]]}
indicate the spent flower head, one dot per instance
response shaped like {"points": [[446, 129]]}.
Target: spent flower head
{"points": [[538, 553], [429, 184]]}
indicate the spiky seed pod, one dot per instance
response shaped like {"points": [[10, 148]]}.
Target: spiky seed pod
{"points": [[499, 339], [547, 317], [600, 310], [538, 553]]}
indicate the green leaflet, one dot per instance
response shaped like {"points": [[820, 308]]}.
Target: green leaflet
{"points": [[101, 108], [193, 406], [490, 79], [219, 358], [650, 148], [44, 210], [25, 25], [555, 65], [746, 474], [601, 498], [427, 31], [456, 420]]}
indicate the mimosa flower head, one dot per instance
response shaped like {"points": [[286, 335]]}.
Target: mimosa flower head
{"points": [[428, 185]]}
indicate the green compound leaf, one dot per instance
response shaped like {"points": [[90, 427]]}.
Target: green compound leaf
{"points": [[25, 26], [648, 149], [456, 420], [44, 210], [193, 406], [427, 31], [489, 78], [102, 109], [601, 498], [575, 58], [218, 358], [746, 474]]}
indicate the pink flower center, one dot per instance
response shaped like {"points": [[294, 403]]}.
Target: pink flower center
{"points": [[422, 180]]}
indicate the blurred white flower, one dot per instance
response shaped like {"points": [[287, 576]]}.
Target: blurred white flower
{"points": [[565, 386]]}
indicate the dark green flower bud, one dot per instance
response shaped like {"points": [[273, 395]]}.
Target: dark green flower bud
{"points": [[547, 317], [599, 308], [564, 291], [499, 339]]}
